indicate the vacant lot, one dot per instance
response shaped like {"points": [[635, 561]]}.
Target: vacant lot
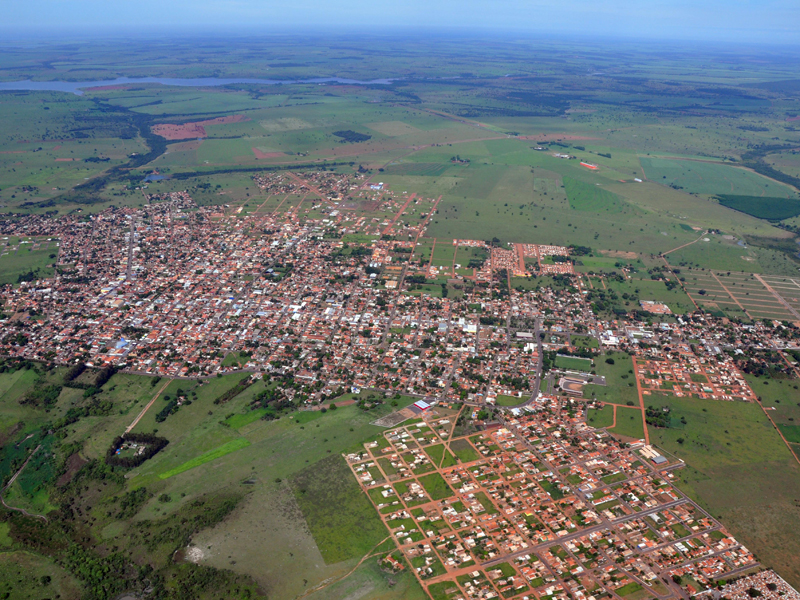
{"points": [[620, 385], [339, 515], [739, 469]]}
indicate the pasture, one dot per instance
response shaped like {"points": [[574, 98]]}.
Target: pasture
{"points": [[712, 178], [22, 576], [739, 469], [27, 259]]}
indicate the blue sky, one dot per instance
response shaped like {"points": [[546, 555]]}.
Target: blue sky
{"points": [[774, 21]]}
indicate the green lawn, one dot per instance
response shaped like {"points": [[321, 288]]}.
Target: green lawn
{"points": [[602, 417], [573, 363], [511, 400], [629, 423]]}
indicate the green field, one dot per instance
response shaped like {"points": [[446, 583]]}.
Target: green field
{"points": [[435, 486], [464, 451], [589, 198], [22, 573], [21, 262], [573, 363], [739, 470], [214, 454], [503, 400], [602, 417], [620, 385], [629, 423], [712, 178], [342, 520], [769, 208]]}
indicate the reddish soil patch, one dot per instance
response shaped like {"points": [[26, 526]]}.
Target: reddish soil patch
{"points": [[183, 131], [260, 154], [179, 132], [74, 464], [13, 151], [57, 147], [65, 159], [793, 118], [555, 137]]}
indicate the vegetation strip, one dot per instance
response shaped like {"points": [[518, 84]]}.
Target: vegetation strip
{"points": [[214, 454]]}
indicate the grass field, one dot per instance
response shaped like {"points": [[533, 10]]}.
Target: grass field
{"points": [[712, 178], [214, 454], [341, 518], [503, 400], [573, 363], [739, 469], [629, 423], [620, 385], [602, 417], [26, 257], [21, 576], [464, 451]]}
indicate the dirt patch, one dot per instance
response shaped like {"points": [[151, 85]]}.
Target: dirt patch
{"points": [[260, 154], [13, 151], [65, 159], [171, 131], [194, 554], [74, 464], [619, 254], [4, 437]]}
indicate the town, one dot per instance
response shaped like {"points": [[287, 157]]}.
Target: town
{"points": [[493, 483]]}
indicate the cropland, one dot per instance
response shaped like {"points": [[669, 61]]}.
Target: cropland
{"points": [[459, 319]]}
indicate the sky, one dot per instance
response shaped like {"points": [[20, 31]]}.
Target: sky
{"points": [[747, 21]]}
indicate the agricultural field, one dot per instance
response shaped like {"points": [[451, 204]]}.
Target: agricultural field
{"points": [[712, 178]]}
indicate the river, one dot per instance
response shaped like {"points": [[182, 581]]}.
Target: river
{"points": [[77, 87]]}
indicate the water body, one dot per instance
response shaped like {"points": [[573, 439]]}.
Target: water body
{"points": [[77, 87]]}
